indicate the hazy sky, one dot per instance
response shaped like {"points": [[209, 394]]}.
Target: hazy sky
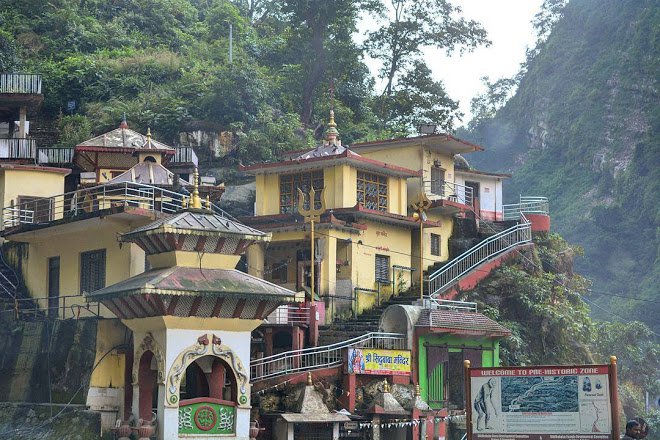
{"points": [[508, 23]]}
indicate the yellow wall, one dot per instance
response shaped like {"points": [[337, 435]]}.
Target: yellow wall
{"points": [[340, 183], [86, 235], [21, 182], [110, 371]]}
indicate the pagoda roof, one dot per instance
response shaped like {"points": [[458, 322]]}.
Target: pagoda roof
{"points": [[385, 403], [124, 139], [329, 155], [193, 291]]}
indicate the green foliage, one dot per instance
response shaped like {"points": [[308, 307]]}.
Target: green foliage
{"points": [[582, 130], [73, 130]]}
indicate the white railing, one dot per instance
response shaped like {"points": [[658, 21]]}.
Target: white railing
{"points": [[18, 148], [185, 155], [97, 198], [56, 156], [289, 314], [529, 205], [484, 251], [20, 83], [314, 358], [446, 304], [444, 189]]}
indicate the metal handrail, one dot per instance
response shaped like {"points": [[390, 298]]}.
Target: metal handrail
{"points": [[20, 83], [528, 204], [289, 314], [97, 198], [314, 358], [473, 257], [460, 306], [35, 308], [449, 190]]}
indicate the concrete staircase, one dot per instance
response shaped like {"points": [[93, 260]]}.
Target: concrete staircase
{"points": [[366, 322]]}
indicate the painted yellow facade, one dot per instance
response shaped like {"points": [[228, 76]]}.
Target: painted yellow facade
{"points": [[110, 334]]}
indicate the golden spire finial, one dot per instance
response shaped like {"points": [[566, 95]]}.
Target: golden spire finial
{"points": [[418, 391], [309, 378], [386, 386], [208, 202], [195, 202], [332, 122]]}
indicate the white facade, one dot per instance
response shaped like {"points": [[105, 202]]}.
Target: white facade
{"points": [[489, 192]]}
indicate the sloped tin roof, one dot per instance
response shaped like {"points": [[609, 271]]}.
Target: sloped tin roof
{"points": [[124, 138], [461, 322]]}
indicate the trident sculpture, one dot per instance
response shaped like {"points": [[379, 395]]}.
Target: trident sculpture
{"points": [[420, 206], [311, 215]]}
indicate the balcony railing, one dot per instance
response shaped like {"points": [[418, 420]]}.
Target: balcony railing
{"points": [[446, 304], [18, 148], [527, 205], [98, 198], [451, 191], [55, 156], [56, 307], [20, 83], [314, 358], [289, 315], [185, 155]]}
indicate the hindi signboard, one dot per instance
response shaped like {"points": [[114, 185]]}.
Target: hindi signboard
{"points": [[378, 361], [541, 403]]}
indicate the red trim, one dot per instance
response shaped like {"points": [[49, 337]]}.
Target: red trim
{"points": [[260, 310], [414, 139], [217, 307], [195, 400], [128, 307], [195, 305], [240, 305], [481, 173], [179, 242], [221, 243], [347, 154], [170, 309], [136, 302], [115, 309], [201, 241]]}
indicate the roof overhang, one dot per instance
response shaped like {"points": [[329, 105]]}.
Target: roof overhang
{"points": [[438, 142]]}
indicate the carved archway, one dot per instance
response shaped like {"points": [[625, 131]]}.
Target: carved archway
{"points": [[207, 345], [149, 344]]}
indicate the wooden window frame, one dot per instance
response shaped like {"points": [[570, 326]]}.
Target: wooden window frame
{"points": [[90, 282], [289, 184], [379, 270], [436, 245]]}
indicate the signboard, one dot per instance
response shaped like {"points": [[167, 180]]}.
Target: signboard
{"points": [[206, 416], [377, 361], [540, 403]]}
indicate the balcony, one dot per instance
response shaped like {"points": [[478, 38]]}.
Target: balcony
{"points": [[55, 156], [185, 155], [95, 201], [20, 83], [445, 190], [18, 148], [527, 205], [289, 315]]}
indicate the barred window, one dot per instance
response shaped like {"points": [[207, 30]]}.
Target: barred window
{"points": [[382, 268], [92, 270], [372, 191], [435, 244], [289, 184]]}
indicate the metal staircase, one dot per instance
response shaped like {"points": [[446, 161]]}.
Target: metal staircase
{"points": [[315, 358], [486, 250]]}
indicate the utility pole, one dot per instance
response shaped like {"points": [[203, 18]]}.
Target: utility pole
{"points": [[420, 207], [231, 43]]}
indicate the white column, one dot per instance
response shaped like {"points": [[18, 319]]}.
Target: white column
{"points": [[289, 431], [168, 424], [335, 431]]}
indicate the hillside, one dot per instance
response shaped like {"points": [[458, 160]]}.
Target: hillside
{"points": [[582, 129]]}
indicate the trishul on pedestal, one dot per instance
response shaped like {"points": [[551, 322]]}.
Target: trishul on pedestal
{"points": [[311, 215], [420, 206]]}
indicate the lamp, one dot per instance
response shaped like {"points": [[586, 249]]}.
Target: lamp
{"points": [[427, 128]]}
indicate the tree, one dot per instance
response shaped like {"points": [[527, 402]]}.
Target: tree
{"points": [[485, 105], [416, 24]]}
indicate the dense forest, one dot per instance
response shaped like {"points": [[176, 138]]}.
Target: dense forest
{"points": [[578, 124], [582, 129]]}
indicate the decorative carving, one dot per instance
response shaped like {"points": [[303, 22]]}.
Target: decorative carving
{"points": [[199, 349], [149, 344]]}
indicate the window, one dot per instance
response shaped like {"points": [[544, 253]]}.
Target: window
{"points": [[437, 181], [435, 244], [92, 270], [289, 184], [372, 191], [382, 268]]}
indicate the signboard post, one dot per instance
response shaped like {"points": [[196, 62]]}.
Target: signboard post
{"points": [[542, 402]]}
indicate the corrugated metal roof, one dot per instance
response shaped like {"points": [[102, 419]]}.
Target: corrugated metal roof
{"points": [[124, 138], [461, 322], [149, 173], [201, 221]]}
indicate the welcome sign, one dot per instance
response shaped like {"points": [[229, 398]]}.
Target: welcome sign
{"points": [[378, 361]]}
